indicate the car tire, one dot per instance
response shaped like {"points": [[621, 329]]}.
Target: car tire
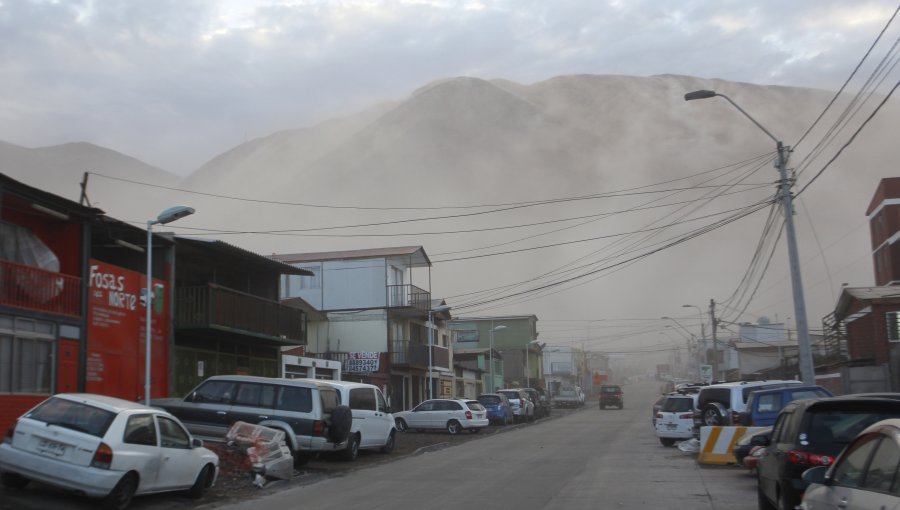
{"points": [[341, 422], [14, 481], [120, 497], [714, 414], [351, 452], [390, 443], [453, 427], [762, 502], [667, 441], [784, 501], [204, 478], [401, 425]]}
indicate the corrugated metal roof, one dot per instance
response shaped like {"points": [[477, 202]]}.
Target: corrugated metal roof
{"points": [[416, 254], [240, 253], [302, 304]]}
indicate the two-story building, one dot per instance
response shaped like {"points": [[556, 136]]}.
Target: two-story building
{"points": [[44, 252], [866, 320], [377, 304], [515, 337], [228, 318]]}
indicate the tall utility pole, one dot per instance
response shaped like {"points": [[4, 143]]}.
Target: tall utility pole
{"points": [[804, 350], [807, 369], [712, 323]]}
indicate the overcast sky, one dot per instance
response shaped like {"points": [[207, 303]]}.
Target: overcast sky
{"points": [[177, 82]]}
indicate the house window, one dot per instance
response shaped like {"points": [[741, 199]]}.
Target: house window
{"points": [[893, 326], [26, 355], [311, 282]]}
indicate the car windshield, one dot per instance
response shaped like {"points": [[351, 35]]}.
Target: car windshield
{"points": [[610, 389], [489, 400], [677, 405], [78, 416], [842, 425], [511, 395]]}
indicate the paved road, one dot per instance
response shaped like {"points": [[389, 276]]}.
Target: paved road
{"points": [[590, 459]]}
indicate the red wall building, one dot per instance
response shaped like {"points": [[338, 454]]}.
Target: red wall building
{"points": [[43, 246]]}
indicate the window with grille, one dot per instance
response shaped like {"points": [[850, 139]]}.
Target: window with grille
{"points": [[26, 355], [893, 326]]}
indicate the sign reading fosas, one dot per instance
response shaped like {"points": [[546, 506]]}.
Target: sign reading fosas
{"points": [[362, 362]]}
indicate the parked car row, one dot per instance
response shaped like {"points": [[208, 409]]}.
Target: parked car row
{"points": [[816, 450], [111, 449]]}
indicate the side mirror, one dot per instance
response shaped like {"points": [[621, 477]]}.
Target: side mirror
{"points": [[196, 443], [759, 441], [816, 475]]}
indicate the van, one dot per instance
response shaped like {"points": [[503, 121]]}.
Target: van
{"points": [[763, 406], [373, 424]]}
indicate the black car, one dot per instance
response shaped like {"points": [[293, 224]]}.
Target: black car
{"points": [[745, 444], [810, 433]]}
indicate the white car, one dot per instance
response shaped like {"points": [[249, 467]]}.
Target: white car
{"points": [[373, 423], [105, 447], [451, 414], [675, 419], [522, 406]]}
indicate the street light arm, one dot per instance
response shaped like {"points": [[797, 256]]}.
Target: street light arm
{"points": [[705, 94], [679, 325]]}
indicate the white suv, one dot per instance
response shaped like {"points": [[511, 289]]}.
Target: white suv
{"points": [[721, 404], [675, 418], [451, 414], [373, 424]]}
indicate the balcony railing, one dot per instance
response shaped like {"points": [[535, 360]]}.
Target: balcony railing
{"points": [[37, 289], [409, 354], [214, 306], [408, 296]]}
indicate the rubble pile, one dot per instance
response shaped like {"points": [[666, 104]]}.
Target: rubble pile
{"points": [[264, 451]]}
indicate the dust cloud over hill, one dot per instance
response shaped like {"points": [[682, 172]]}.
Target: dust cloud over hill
{"points": [[460, 147]]}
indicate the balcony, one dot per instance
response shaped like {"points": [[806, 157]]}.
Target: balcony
{"points": [[414, 355], [216, 307], [409, 297], [31, 288]]}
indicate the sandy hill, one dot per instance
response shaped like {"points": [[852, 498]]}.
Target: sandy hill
{"points": [[60, 168], [471, 142]]}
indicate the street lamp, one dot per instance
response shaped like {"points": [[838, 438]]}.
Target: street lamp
{"points": [[703, 338], [168, 216], [527, 367], [437, 309], [679, 325], [491, 353], [807, 369]]}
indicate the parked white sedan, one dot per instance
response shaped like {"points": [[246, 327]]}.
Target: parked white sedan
{"points": [[450, 414], [105, 447]]}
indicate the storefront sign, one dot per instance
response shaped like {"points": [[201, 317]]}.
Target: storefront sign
{"points": [[117, 332]]}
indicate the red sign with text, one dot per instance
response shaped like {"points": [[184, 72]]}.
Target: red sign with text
{"points": [[116, 333]]}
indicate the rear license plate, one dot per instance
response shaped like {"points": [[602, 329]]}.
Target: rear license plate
{"points": [[53, 448], [671, 426]]}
